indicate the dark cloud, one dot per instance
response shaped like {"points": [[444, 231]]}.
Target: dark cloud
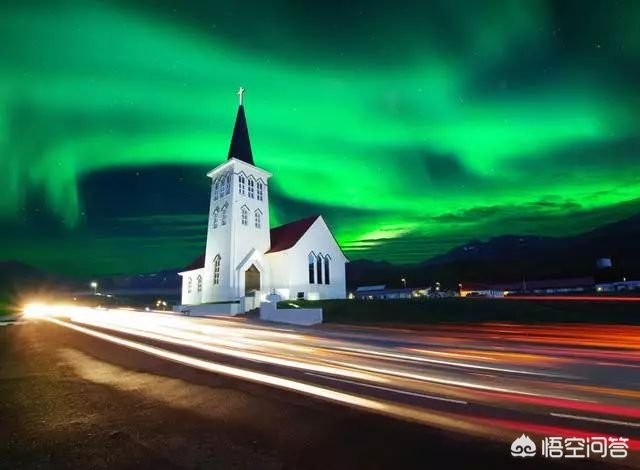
{"points": [[145, 191], [437, 171], [607, 155], [509, 215], [445, 169]]}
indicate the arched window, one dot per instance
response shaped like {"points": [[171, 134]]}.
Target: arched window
{"points": [[251, 188], [215, 218], [312, 264], [259, 187], [199, 279], [245, 216], [189, 284], [223, 185], [319, 268], [241, 184], [216, 190], [223, 215], [216, 270], [327, 269], [258, 218], [228, 185]]}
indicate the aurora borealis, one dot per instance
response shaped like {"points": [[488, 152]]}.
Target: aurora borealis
{"points": [[411, 126]]}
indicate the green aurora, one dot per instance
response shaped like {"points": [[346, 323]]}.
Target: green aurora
{"points": [[412, 129]]}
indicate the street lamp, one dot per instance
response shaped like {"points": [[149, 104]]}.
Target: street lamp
{"points": [[94, 286], [404, 282]]}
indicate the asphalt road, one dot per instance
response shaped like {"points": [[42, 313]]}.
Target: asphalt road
{"points": [[129, 390]]}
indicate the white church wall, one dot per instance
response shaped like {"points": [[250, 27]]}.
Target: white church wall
{"points": [[317, 240], [218, 237], [280, 280], [194, 296], [249, 236], [235, 240]]}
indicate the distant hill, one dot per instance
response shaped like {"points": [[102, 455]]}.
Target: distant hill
{"points": [[511, 258]]}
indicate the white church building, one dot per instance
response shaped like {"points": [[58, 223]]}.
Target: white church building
{"points": [[245, 260]]}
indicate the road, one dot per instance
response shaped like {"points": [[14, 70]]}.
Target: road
{"points": [[232, 393]]}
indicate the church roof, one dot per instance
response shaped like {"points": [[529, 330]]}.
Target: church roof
{"points": [[240, 147], [196, 264], [287, 235], [282, 238]]}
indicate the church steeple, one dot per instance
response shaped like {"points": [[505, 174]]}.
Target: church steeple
{"points": [[240, 148]]}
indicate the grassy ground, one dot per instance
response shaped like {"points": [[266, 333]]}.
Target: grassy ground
{"points": [[473, 310]]}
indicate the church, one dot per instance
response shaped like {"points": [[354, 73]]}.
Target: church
{"points": [[245, 260]]}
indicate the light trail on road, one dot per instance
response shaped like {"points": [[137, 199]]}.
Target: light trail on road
{"points": [[484, 380]]}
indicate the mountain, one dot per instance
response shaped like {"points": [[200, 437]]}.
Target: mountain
{"points": [[511, 258]]}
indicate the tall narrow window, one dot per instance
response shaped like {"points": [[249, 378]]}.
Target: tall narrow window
{"points": [[199, 282], [260, 192], [251, 188], [241, 184], [216, 270], [223, 185], [223, 215], [326, 269], [216, 190], [228, 190], [312, 264], [258, 219], [189, 285], [245, 216], [215, 218], [319, 268]]}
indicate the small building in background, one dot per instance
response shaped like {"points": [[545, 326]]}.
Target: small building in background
{"points": [[545, 286], [382, 292], [620, 286], [474, 289], [551, 286]]}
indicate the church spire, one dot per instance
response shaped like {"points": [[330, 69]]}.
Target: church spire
{"points": [[240, 148]]}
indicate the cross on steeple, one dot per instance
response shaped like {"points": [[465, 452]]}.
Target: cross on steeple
{"points": [[240, 147], [240, 94]]}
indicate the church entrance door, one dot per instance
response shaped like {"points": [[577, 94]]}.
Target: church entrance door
{"points": [[251, 280]]}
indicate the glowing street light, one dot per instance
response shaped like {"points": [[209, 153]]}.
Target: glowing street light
{"points": [[404, 282], [94, 286]]}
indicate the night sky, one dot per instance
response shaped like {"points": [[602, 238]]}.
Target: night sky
{"points": [[413, 127]]}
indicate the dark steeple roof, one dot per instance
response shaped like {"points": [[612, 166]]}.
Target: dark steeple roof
{"points": [[240, 148]]}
